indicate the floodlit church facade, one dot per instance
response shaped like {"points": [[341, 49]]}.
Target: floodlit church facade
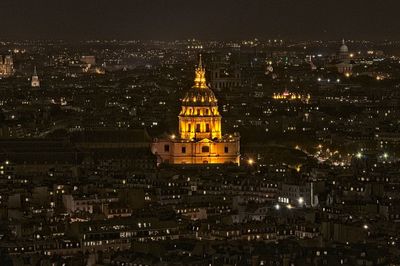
{"points": [[200, 139], [6, 66]]}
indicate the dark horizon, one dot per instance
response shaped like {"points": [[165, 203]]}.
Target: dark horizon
{"points": [[206, 20]]}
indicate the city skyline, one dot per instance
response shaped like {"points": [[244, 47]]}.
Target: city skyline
{"points": [[184, 133]]}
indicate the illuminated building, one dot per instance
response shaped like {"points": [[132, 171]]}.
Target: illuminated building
{"points": [[6, 66], [286, 95], [200, 139], [35, 83], [89, 65], [343, 65]]}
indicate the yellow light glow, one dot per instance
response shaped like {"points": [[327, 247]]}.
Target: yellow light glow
{"points": [[200, 77], [286, 95], [200, 139], [298, 168]]}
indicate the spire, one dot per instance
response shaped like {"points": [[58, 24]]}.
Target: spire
{"points": [[200, 62], [35, 83], [343, 41], [200, 78]]}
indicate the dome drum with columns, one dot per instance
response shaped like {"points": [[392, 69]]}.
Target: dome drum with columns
{"points": [[199, 117], [342, 61], [200, 138]]}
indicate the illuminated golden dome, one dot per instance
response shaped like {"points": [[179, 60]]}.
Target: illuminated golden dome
{"points": [[195, 97], [200, 94], [199, 117]]}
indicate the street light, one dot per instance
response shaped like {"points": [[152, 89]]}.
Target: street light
{"points": [[301, 200], [250, 161], [359, 155]]}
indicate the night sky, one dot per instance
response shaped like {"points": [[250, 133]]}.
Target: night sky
{"points": [[204, 19]]}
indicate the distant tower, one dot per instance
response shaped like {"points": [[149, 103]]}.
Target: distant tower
{"points": [[312, 65], [35, 83]]}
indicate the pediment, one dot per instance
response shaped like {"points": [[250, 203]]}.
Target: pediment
{"points": [[206, 140]]}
